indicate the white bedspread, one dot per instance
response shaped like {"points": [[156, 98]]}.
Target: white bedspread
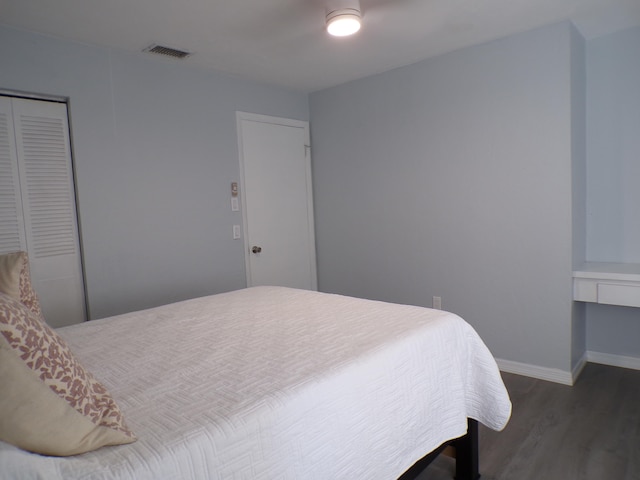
{"points": [[276, 383]]}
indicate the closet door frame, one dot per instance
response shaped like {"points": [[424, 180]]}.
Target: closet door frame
{"points": [[84, 315]]}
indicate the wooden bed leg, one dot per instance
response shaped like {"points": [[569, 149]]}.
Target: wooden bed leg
{"points": [[467, 466]]}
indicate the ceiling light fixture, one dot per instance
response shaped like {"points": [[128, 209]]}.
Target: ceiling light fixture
{"points": [[343, 17]]}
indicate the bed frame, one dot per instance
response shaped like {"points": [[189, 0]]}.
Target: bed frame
{"points": [[466, 453]]}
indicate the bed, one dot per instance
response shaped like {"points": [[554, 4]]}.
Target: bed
{"points": [[278, 383]]}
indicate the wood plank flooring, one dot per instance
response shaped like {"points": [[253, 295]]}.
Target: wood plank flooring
{"points": [[590, 431]]}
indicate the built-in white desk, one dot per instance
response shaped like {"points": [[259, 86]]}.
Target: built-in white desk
{"points": [[608, 283]]}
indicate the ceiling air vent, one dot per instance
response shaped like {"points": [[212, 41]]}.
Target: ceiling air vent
{"points": [[167, 51]]}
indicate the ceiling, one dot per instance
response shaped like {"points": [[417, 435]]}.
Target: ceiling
{"points": [[283, 42]]}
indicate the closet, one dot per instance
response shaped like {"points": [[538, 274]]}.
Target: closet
{"points": [[37, 203]]}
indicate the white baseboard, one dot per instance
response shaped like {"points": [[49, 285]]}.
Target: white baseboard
{"points": [[577, 370], [534, 371], [566, 377], [613, 360]]}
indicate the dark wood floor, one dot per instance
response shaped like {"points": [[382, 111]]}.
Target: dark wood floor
{"points": [[590, 431]]}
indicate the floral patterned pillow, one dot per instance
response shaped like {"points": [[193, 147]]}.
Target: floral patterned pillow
{"points": [[50, 404], [15, 280], [28, 295]]}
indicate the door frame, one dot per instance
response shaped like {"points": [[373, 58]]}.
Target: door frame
{"points": [[65, 101], [254, 117]]}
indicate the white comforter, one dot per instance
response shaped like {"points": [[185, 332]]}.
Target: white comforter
{"points": [[276, 383]]}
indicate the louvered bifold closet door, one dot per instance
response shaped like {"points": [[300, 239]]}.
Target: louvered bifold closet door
{"points": [[12, 238], [48, 201]]}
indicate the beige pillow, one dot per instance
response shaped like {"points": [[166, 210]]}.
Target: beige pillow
{"points": [[15, 280], [49, 403], [10, 268]]}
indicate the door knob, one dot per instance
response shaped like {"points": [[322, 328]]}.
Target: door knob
{"points": [[256, 249]]}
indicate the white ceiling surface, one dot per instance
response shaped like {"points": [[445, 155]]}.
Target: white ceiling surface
{"points": [[283, 42]]}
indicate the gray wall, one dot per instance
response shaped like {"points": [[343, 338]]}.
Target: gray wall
{"points": [[155, 150], [579, 185], [453, 177], [613, 165]]}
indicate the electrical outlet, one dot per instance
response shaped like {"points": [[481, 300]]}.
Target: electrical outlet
{"points": [[437, 303]]}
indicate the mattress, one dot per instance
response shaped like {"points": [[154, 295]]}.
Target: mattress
{"points": [[278, 383]]}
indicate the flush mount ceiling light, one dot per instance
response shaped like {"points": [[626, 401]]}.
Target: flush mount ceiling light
{"points": [[343, 17]]}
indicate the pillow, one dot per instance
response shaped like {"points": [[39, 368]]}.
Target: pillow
{"points": [[10, 268], [15, 280], [49, 403]]}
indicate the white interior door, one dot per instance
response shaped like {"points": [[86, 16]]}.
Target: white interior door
{"points": [[275, 168], [45, 209]]}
